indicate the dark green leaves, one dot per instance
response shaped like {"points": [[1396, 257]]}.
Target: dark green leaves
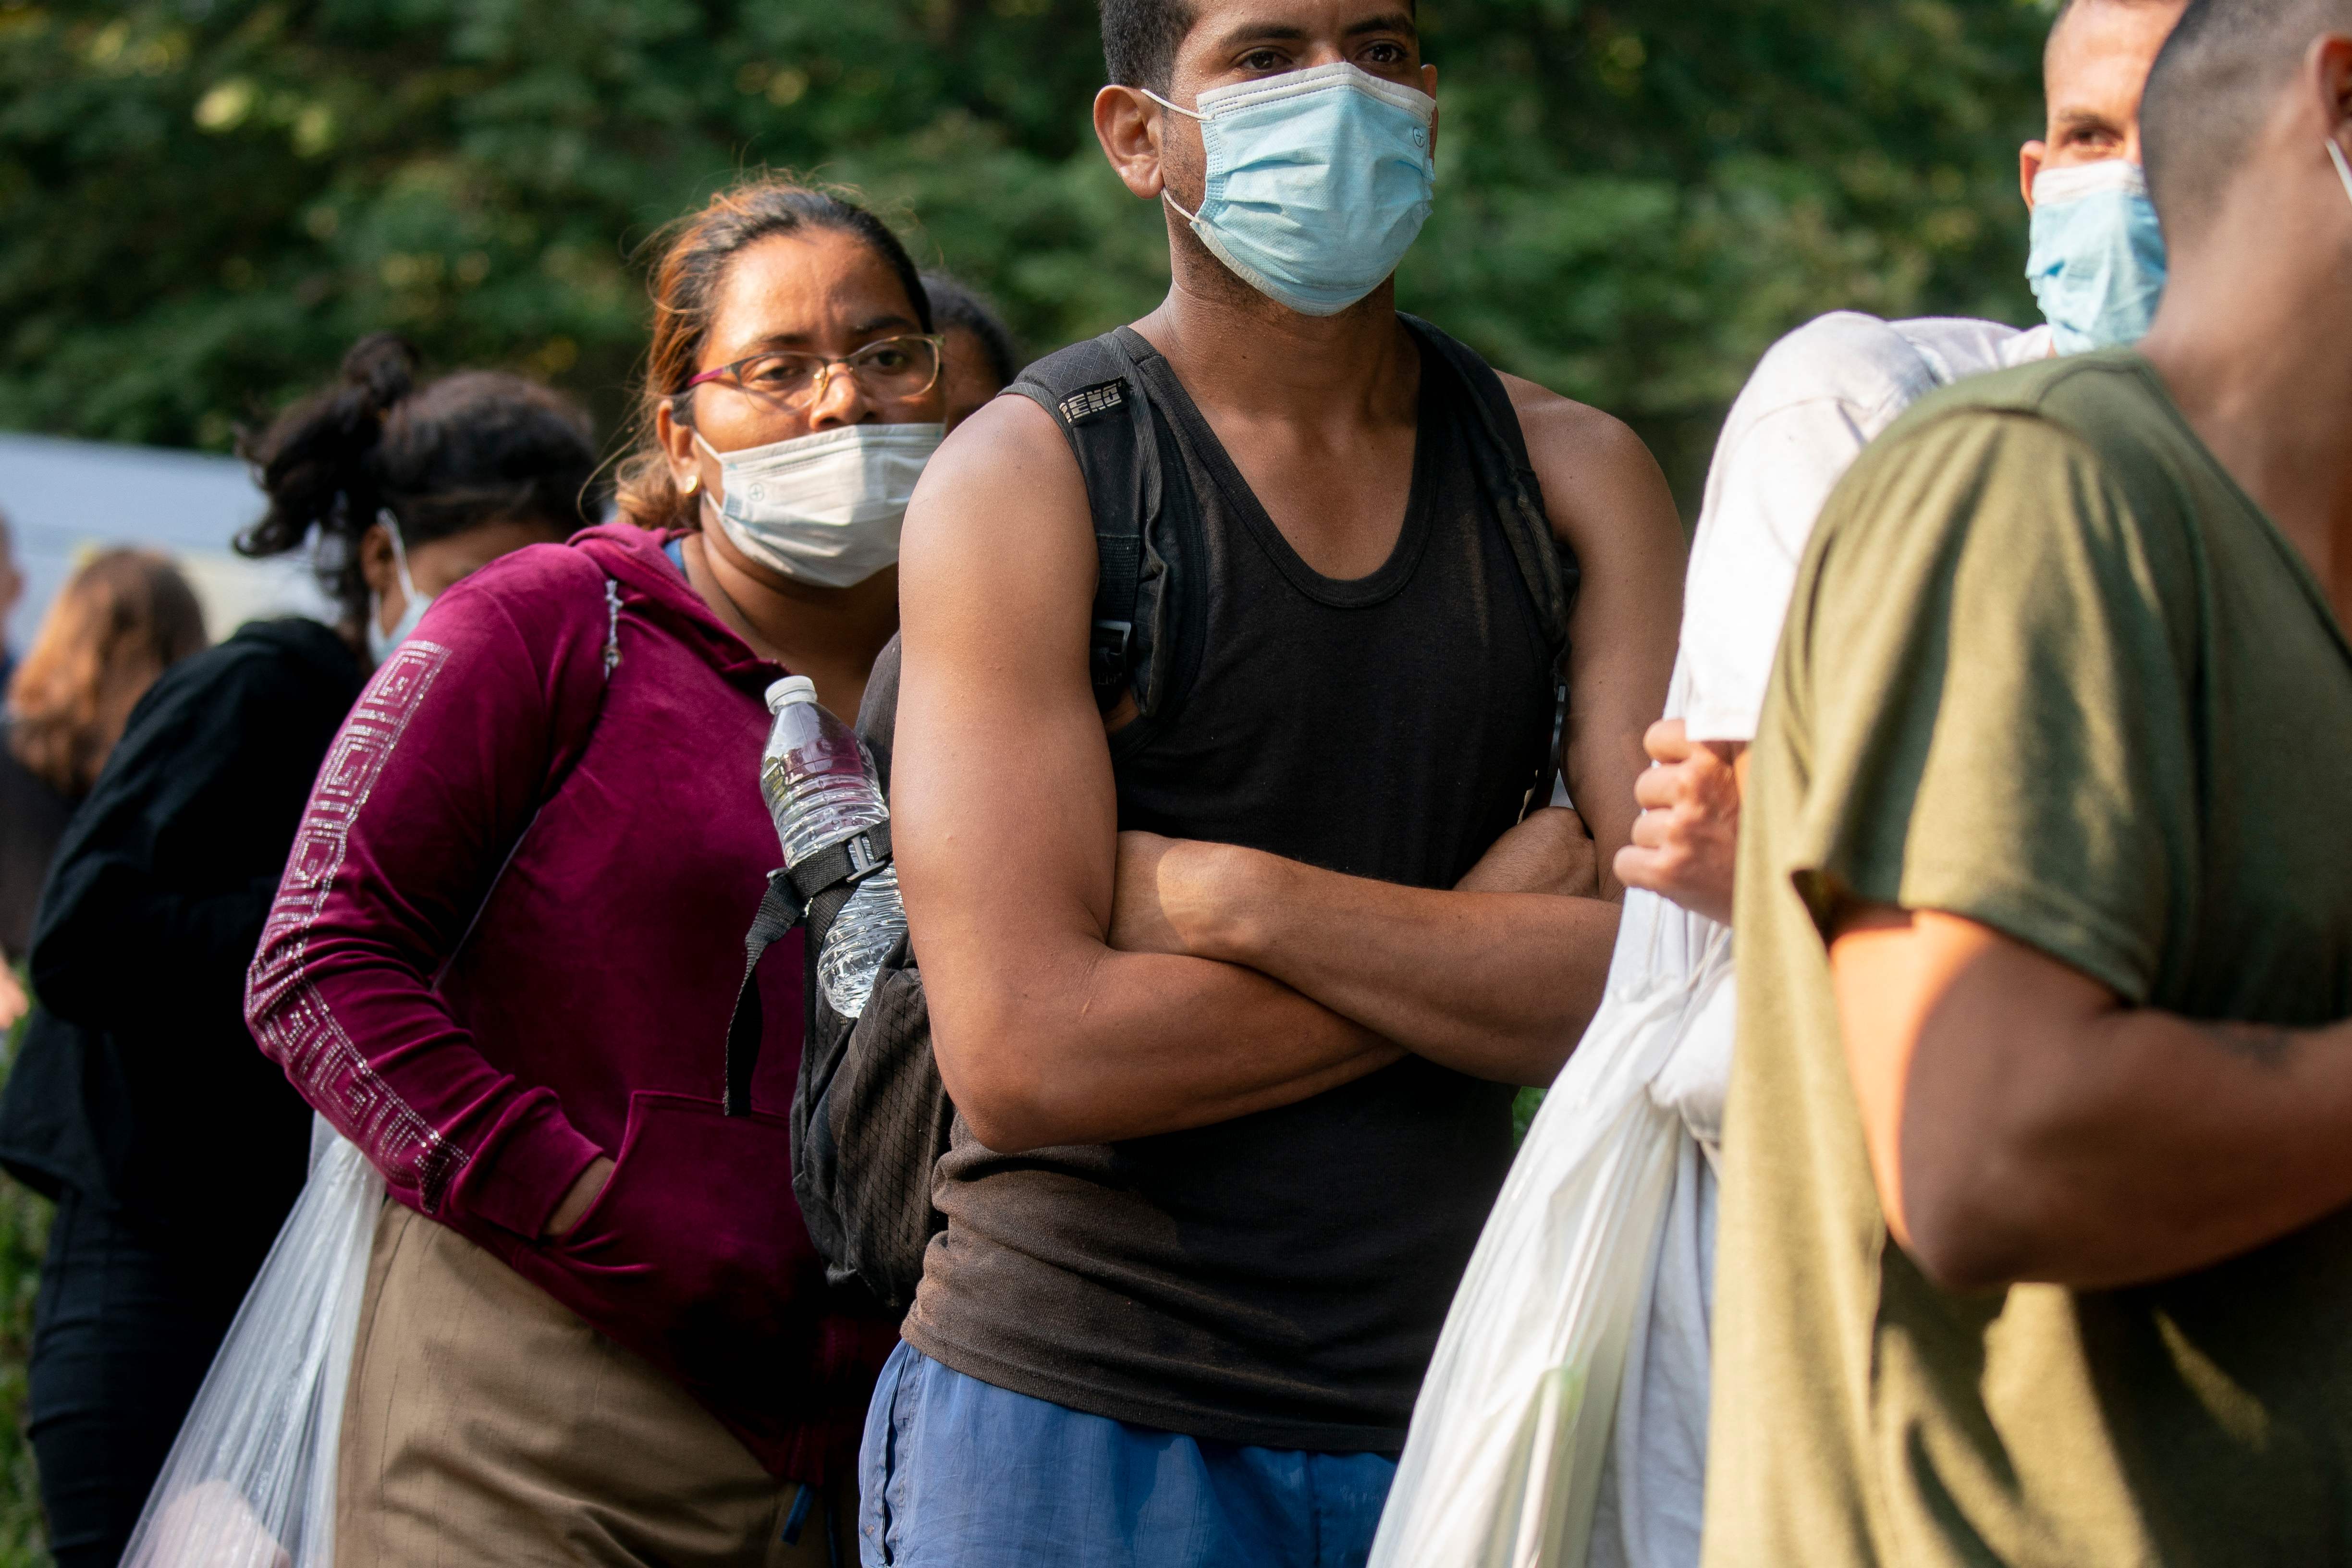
{"points": [[201, 202]]}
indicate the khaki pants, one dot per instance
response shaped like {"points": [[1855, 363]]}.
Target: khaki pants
{"points": [[487, 1424]]}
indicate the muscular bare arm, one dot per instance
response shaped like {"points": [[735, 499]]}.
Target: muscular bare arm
{"points": [[1608, 503], [2022, 1123], [1004, 824]]}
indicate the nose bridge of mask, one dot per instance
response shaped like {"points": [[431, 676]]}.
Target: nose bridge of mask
{"points": [[2063, 187], [776, 456], [1339, 76]]}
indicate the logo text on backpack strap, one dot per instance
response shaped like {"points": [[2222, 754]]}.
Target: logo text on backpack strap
{"points": [[1087, 402]]}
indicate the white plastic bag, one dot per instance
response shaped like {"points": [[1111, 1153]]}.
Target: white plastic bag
{"points": [[250, 1482], [1503, 1464]]}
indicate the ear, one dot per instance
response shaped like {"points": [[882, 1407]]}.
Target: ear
{"points": [[376, 568], [1128, 125], [1429, 86], [2030, 159], [689, 466], [2330, 69]]}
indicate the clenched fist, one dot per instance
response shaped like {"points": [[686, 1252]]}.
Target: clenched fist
{"points": [[1686, 840]]}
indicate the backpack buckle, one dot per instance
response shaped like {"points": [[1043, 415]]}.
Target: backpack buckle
{"points": [[862, 859], [1109, 656]]}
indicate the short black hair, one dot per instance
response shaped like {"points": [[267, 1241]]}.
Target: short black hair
{"points": [[2066, 8], [2211, 89], [955, 305], [1141, 38]]}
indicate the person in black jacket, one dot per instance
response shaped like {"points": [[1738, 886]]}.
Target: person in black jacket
{"points": [[123, 618], [172, 1146]]}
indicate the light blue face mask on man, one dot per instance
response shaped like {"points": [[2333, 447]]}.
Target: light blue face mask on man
{"points": [[2097, 260], [1318, 182]]}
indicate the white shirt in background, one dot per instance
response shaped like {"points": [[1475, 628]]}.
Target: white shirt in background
{"points": [[1816, 399]]}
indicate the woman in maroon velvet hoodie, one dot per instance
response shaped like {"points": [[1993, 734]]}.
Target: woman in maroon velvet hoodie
{"points": [[509, 939]]}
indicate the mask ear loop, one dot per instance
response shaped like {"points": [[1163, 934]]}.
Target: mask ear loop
{"points": [[399, 552], [2343, 168], [1192, 218]]}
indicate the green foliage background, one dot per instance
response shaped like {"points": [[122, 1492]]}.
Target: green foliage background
{"points": [[203, 201]]}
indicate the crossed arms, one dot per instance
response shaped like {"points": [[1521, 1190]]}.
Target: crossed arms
{"points": [[1087, 989]]}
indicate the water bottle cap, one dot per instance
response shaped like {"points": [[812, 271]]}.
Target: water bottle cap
{"points": [[790, 690]]}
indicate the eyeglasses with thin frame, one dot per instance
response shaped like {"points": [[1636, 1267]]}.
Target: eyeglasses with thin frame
{"points": [[896, 369]]}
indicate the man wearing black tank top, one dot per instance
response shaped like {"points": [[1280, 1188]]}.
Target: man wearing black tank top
{"points": [[1232, 994]]}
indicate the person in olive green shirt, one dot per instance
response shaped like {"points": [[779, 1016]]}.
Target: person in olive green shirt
{"points": [[2035, 1246]]}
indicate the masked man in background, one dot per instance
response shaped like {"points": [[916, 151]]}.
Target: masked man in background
{"points": [[1235, 1085], [2096, 266]]}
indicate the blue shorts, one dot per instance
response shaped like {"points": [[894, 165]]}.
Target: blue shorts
{"points": [[958, 1473]]}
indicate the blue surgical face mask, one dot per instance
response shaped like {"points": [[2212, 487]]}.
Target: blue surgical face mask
{"points": [[2097, 260], [382, 643], [1318, 182]]}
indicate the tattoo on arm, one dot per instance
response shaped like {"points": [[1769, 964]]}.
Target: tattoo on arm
{"points": [[2264, 1045]]}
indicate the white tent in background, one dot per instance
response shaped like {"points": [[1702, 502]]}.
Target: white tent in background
{"points": [[64, 499]]}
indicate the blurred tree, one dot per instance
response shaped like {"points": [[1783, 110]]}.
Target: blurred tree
{"points": [[203, 201]]}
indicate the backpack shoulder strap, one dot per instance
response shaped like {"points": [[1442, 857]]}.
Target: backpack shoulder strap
{"points": [[1546, 562], [810, 893], [1093, 393], [1547, 565]]}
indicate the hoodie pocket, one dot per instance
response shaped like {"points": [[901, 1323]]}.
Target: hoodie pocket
{"points": [[694, 1254]]}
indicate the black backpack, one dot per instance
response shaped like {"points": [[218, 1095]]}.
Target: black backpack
{"points": [[870, 1116]]}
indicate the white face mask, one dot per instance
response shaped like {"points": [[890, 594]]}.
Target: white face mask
{"points": [[822, 508], [382, 643], [2343, 169]]}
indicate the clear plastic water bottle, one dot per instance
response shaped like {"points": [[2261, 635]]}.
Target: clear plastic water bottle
{"points": [[820, 788]]}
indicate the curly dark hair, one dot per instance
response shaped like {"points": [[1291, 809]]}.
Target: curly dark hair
{"points": [[473, 447]]}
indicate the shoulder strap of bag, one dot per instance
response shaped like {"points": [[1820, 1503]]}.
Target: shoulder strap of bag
{"points": [[1547, 565], [1092, 392], [810, 893]]}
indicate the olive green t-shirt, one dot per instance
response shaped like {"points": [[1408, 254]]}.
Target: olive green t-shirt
{"points": [[2049, 669]]}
